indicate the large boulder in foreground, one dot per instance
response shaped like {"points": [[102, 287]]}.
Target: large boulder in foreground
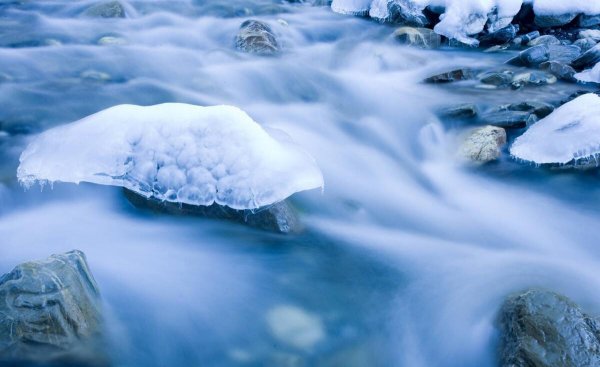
{"points": [[539, 328], [50, 313]]}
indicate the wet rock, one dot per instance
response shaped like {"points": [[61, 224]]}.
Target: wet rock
{"points": [[496, 23], [544, 40], [593, 34], [483, 144], [256, 37], [540, 109], [499, 79], [587, 59], [559, 70], [532, 56], [419, 37], [533, 78], [461, 111], [586, 21], [500, 36], [525, 39], [110, 9], [543, 329], [509, 119], [549, 21], [279, 218], [564, 53], [585, 44], [50, 313], [405, 12], [451, 76], [295, 327]]}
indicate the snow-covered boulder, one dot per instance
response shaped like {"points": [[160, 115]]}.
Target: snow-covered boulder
{"points": [[174, 152], [568, 136], [408, 12]]}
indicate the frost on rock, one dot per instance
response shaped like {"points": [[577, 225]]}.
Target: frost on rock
{"points": [[351, 7], [569, 135], [173, 152]]}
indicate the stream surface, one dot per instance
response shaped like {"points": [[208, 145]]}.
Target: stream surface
{"points": [[407, 255]]}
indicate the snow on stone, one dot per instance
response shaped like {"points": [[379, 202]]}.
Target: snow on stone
{"points": [[560, 7], [174, 152], [590, 75], [352, 7], [570, 133]]}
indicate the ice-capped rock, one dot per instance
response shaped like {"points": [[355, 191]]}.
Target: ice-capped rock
{"points": [[174, 152], [589, 76], [409, 12], [569, 135], [351, 7], [50, 313]]}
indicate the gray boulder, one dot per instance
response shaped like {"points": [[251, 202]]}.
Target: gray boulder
{"points": [[549, 21], [564, 53], [418, 37], [498, 78], [483, 144], [451, 76], [461, 111], [110, 9], [279, 218], [543, 329], [257, 37], [50, 313], [560, 70], [544, 40]]}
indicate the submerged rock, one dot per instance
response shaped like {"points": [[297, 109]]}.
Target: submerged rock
{"points": [[257, 37], [532, 56], [50, 313], [110, 9], [280, 217], [451, 76], [539, 328], [419, 37], [483, 144], [295, 327]]}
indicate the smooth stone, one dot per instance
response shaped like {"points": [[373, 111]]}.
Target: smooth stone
{"points": [[564, 53], [404, 12], [256, 37], [461, 111], [590, 33], [589, 20], [50, 313], [544, 40], [525, 39], [588, 59], [483, 144], [534, 78], [532, 56], [509, 119], [279, 218], [549, 21], [419, 37], [500, 36], [539, 328], [560, 70], [295, 327], [500, 79], [451, 76], [585, 44], [540, 109], [111, 9]]}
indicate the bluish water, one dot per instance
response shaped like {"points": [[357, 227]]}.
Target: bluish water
{"points": [[407, 255]]}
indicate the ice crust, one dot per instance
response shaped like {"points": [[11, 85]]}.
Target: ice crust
{"points": [[174, 152]]}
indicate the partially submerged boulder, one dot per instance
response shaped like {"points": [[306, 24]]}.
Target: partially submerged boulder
{"points": [[540, 328], [257, 37], [109, 9], [483, 144], [418, 37], [451, 76], [176, 153], [50, 313], [568, 136]]}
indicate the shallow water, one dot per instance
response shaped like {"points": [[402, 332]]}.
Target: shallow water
{"points": [[406, 256]]}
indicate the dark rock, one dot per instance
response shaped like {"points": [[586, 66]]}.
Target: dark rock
{"points": [[500, 36], [461, 111], [586, 21], [533, 78], [256, 37], [585, 44], [419, 37], [404, 12], [50, 313], [559, 70], [111, 9], [532, 56], [499, 79], [451, 76], [543, 329], [509, 119], [544, 40], [564, 53], [540, 109], [529, 37], [279, 218], [588, 59], [549, 21]]}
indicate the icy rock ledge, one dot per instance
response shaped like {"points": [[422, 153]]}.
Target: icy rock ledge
{"points": [[175, 153], [50, 314], [569, 136]]}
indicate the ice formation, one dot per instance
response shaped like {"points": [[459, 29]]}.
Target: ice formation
{"points": [[174, 152], [570, 133], [590, 75]]}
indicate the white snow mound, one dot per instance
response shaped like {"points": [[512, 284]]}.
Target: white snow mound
{"points": [[571, 132], [174, 152]]}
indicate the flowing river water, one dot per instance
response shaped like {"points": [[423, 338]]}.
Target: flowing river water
{"points": [[406, 256]]}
